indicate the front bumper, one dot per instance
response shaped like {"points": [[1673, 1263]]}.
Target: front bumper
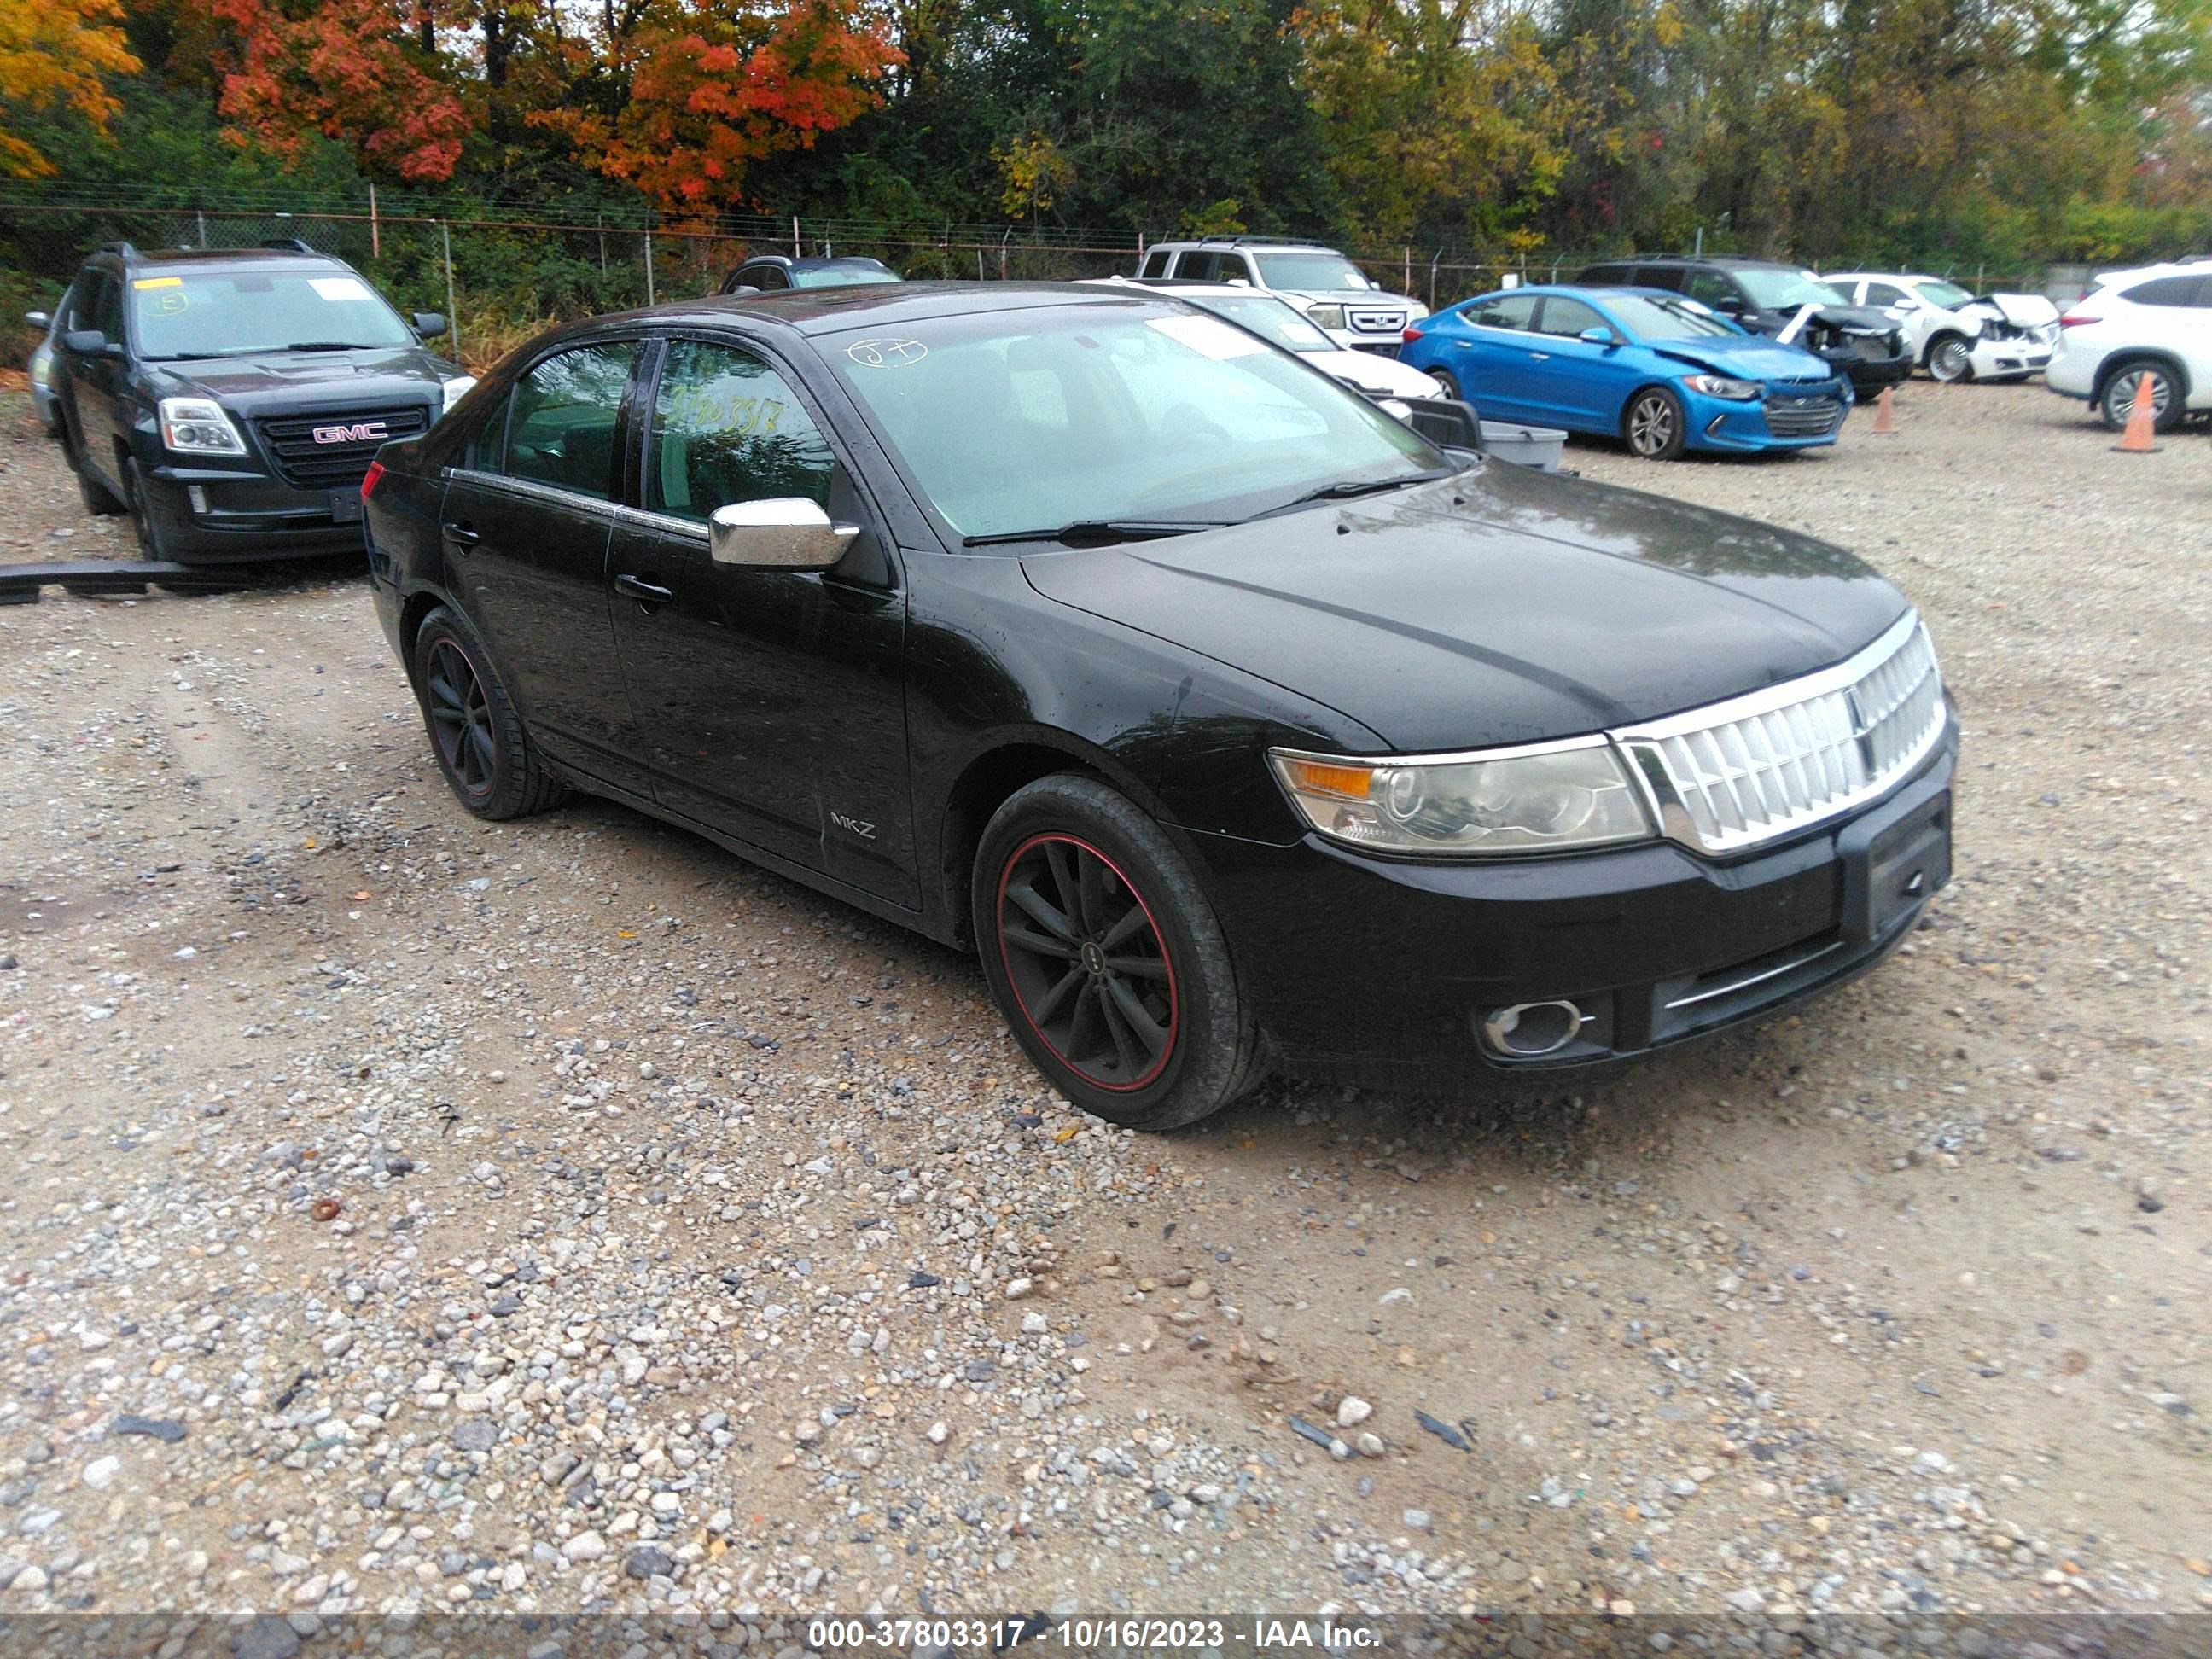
{"points": [[222, 515], [1392, 967], [1873, 373], [2008, 359], [1734, 425]]}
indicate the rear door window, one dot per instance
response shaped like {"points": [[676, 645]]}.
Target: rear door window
{"points": [[1199, 266], [1711, 287], [1515, 312], [563, 418], [1156, 262], [2167, 291], [1666, 277]]}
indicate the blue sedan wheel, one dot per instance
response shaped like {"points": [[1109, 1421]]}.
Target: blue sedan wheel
{"points": [[1654, 425]]}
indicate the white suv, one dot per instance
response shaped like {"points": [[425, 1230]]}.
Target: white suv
{"points": [[1953, 335], [2153, 324], [1331, 291]]}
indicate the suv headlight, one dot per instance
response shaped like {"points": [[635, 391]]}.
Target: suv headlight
{"points": [[1325, 316], [198, 426], [1720, 386], [1545, 797], [455, 389]]}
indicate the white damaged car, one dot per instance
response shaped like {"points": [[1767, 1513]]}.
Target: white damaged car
{"points": [[1956, 335]]}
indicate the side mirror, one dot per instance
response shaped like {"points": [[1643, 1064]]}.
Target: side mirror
{"points": [[86, 343], [39, 319], [788, 532], [1600, 336], [429, 325]]}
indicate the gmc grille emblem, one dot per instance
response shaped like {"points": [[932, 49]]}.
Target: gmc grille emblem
{"points": [[362, 432]]}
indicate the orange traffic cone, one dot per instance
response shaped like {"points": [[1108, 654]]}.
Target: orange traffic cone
{"points": [[2142, 421], [1885, 416]]}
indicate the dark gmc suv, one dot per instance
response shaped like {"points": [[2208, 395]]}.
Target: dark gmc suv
{"points": [[1765, 296], [230, 399]]}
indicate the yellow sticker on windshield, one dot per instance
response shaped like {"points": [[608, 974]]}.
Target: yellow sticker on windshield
{"points": [[157, 282]]}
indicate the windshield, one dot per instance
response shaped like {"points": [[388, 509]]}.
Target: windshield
{"points": [[1949, 296], [1014, 421], [843, 275], [1311, 271], [1650, 319], [1785, 290], [214, 313], [1269, 318]]}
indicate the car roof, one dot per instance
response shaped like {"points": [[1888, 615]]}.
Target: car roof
{"points": [[1186, 288], [1734, 259], [833, 310], [214, 259], [2163, 267], [787, 262]]}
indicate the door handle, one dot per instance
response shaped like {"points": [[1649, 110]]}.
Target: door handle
{"points": [[1540, 356], [463, 534], [643, 592]]}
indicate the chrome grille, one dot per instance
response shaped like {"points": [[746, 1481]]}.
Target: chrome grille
{"points": [[1804, 418], [309, 464], [1755, 768], [1375, 322]]}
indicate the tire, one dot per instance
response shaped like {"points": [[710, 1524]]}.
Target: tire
{"points": [[1105, 957], [1950, 359], [487, 759], [99, 500], [2117, 395], [151, 540], [1654, 426], [1447, 384]]}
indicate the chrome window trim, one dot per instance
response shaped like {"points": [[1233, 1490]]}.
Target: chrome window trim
{"points": [[530, 490]]}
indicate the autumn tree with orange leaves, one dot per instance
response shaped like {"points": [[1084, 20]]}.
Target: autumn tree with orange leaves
{"points": [[702, 91], [56, 53], [346, 68]]}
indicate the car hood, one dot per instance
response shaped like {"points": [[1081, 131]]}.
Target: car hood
{"points": [[1363, 298], [1373, 372], [2027, 311], [1755, 358], [1500, 605], [1848, 319], [306, 380]]}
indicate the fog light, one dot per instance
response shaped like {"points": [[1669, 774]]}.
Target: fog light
{"points": [[1529, 1031], [198, 496]]}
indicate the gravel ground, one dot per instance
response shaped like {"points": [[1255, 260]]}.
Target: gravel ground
{"points": [[415, 1213]]}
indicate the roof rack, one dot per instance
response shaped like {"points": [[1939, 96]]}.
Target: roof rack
{"points": [[285, 245], [1265, 241]]}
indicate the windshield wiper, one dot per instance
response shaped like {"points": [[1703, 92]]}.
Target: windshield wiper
{"points": [[330, 345], [1345, 488], [1097, 532]]}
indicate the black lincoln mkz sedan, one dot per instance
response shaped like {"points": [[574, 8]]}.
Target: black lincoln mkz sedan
{"points": [[1230, 722]]}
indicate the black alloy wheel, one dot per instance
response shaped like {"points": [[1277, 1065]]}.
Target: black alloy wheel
{"points": [[1087, 962], [460, 720], [1103, 954], [99, 500], [1654, 424], [488, 758], [151, 542]]}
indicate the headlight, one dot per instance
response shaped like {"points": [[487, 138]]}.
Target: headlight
{"points": [[1325, 316], [456, 389], [1544, 799], [1719, 385], [197, 426]]}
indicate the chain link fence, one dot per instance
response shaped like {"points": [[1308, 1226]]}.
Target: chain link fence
{"points": [[500, 278]]}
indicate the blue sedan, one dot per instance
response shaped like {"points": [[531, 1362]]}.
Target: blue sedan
{"points": [[1657, 371]]}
